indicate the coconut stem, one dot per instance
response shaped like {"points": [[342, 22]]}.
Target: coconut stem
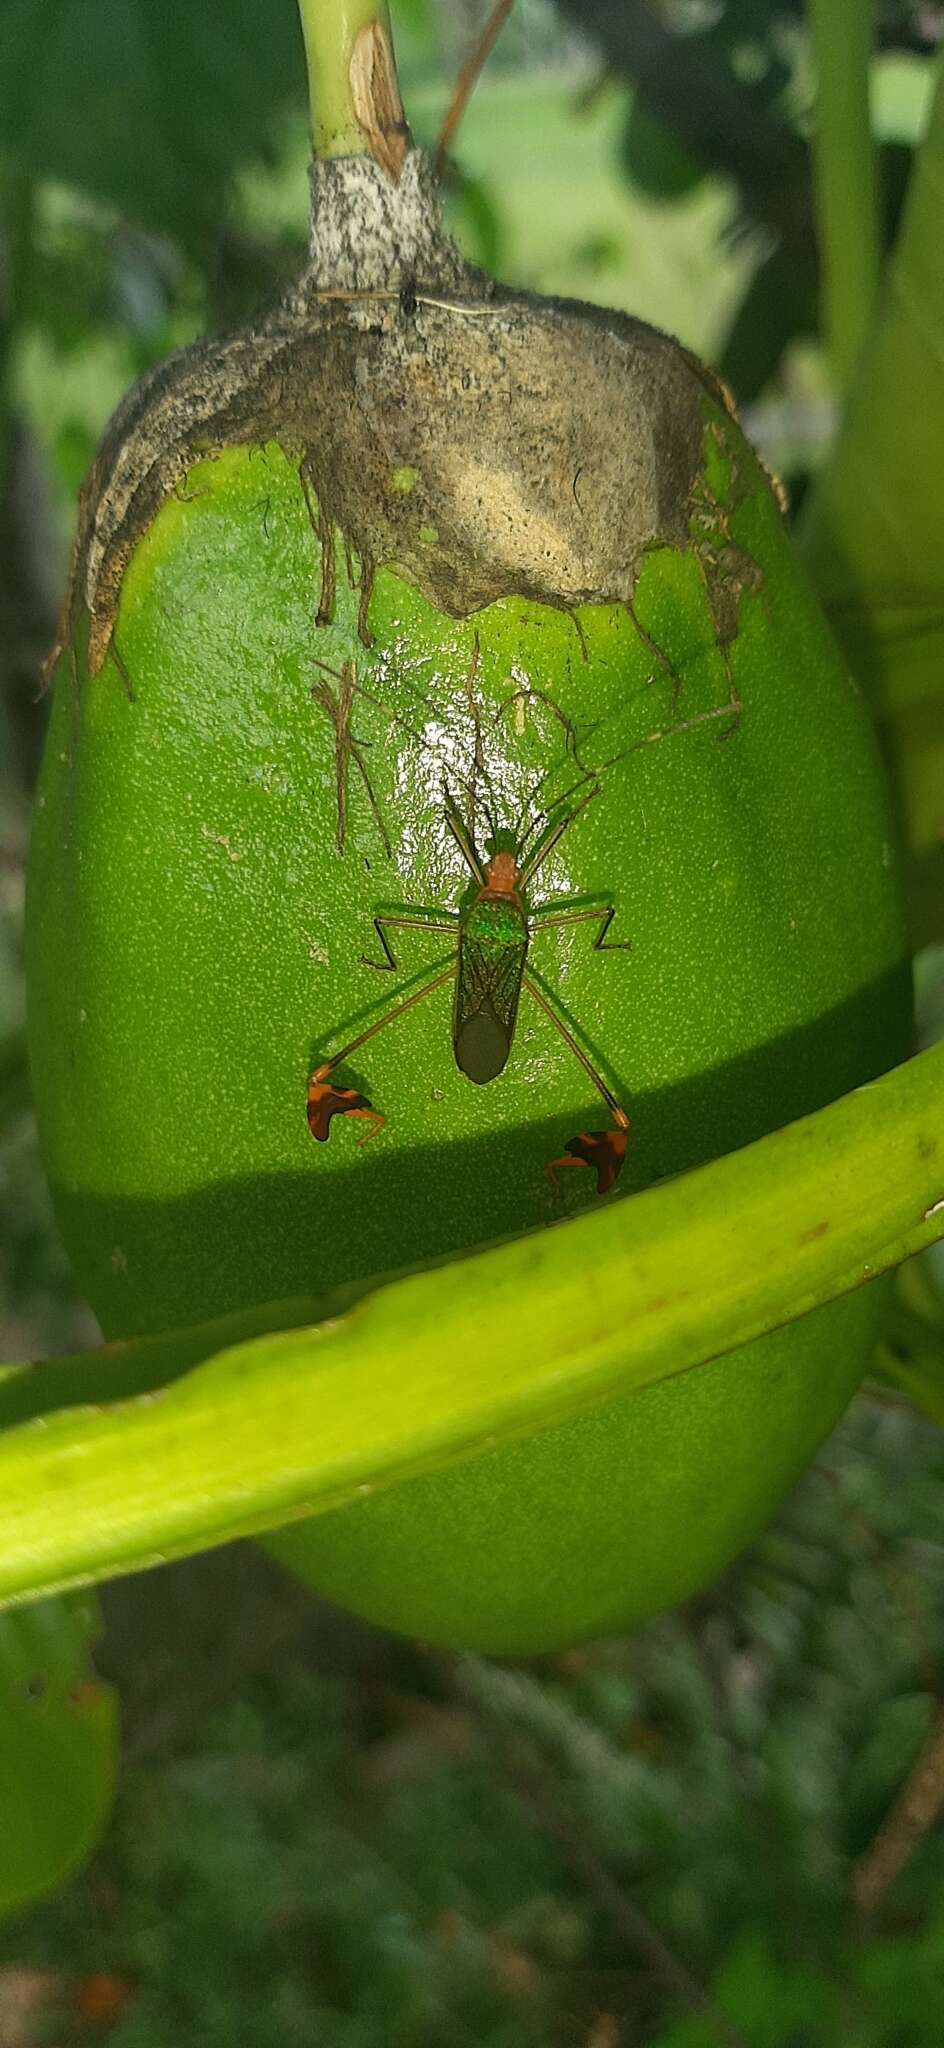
{"points": [[355, 97]]}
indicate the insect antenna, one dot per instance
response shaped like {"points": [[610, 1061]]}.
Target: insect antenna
{"points": [[525, 833], [492, 820], [551, 835], [426, 745]]}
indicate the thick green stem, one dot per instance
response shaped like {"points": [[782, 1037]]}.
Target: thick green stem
{"points": [[844, 175], [871, 527], [14, 1077], [331, 29]]}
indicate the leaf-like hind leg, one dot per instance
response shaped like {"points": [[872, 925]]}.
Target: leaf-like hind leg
{"points": [[603, 1150], [411, 922], [325, 1101]]}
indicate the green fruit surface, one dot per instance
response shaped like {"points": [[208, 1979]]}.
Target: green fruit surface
{"points": [[196, 931]]}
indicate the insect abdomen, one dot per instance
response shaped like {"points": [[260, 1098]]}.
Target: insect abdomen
{"points": [[493, 945]]}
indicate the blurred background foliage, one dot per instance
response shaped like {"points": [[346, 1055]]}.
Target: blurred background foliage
{"points": [[324, 1835]]}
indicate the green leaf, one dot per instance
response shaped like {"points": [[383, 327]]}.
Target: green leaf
{"points": [[911, 1358], [475, 220], [149, 111], [778, 304], [418, 18], [486, 1348], [778, 2005], [872, 528], [655, 160], [58, 1746]]}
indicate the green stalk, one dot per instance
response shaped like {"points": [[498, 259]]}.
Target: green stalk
{"points": [[845, 182], [330, 29], [14, 1077], [871, 527]]}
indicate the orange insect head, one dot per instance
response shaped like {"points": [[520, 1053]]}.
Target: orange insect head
{"points": [[502, 875]]}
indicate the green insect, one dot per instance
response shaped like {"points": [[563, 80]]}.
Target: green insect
{"points": [[493, 932]]}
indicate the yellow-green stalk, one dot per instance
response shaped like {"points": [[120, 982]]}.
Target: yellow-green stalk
{"points": [[349, 54]]}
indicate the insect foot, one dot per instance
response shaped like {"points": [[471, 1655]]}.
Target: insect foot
{"points": [[326, 1101], [603, 1150]]}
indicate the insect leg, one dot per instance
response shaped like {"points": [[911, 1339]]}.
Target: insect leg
{"points": [[436, 922], [326, 1101], [657, 653], [603, 1150], [545, 917], [464, 840]]}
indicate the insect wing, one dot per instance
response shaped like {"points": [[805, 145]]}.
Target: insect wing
{"points": [[487, 989]]}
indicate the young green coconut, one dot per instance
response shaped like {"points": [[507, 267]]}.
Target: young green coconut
{"points": [[447, 751]]}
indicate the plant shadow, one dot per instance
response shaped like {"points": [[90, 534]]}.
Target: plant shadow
{"points": [[381, 1211]]}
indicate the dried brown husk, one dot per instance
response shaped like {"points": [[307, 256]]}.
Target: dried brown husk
{"points": [[480, 442]]}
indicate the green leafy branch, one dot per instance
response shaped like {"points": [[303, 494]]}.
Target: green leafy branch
{"points": [[443, 1363]]}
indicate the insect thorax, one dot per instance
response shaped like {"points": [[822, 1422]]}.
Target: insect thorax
{"points": [[494, 923]]}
